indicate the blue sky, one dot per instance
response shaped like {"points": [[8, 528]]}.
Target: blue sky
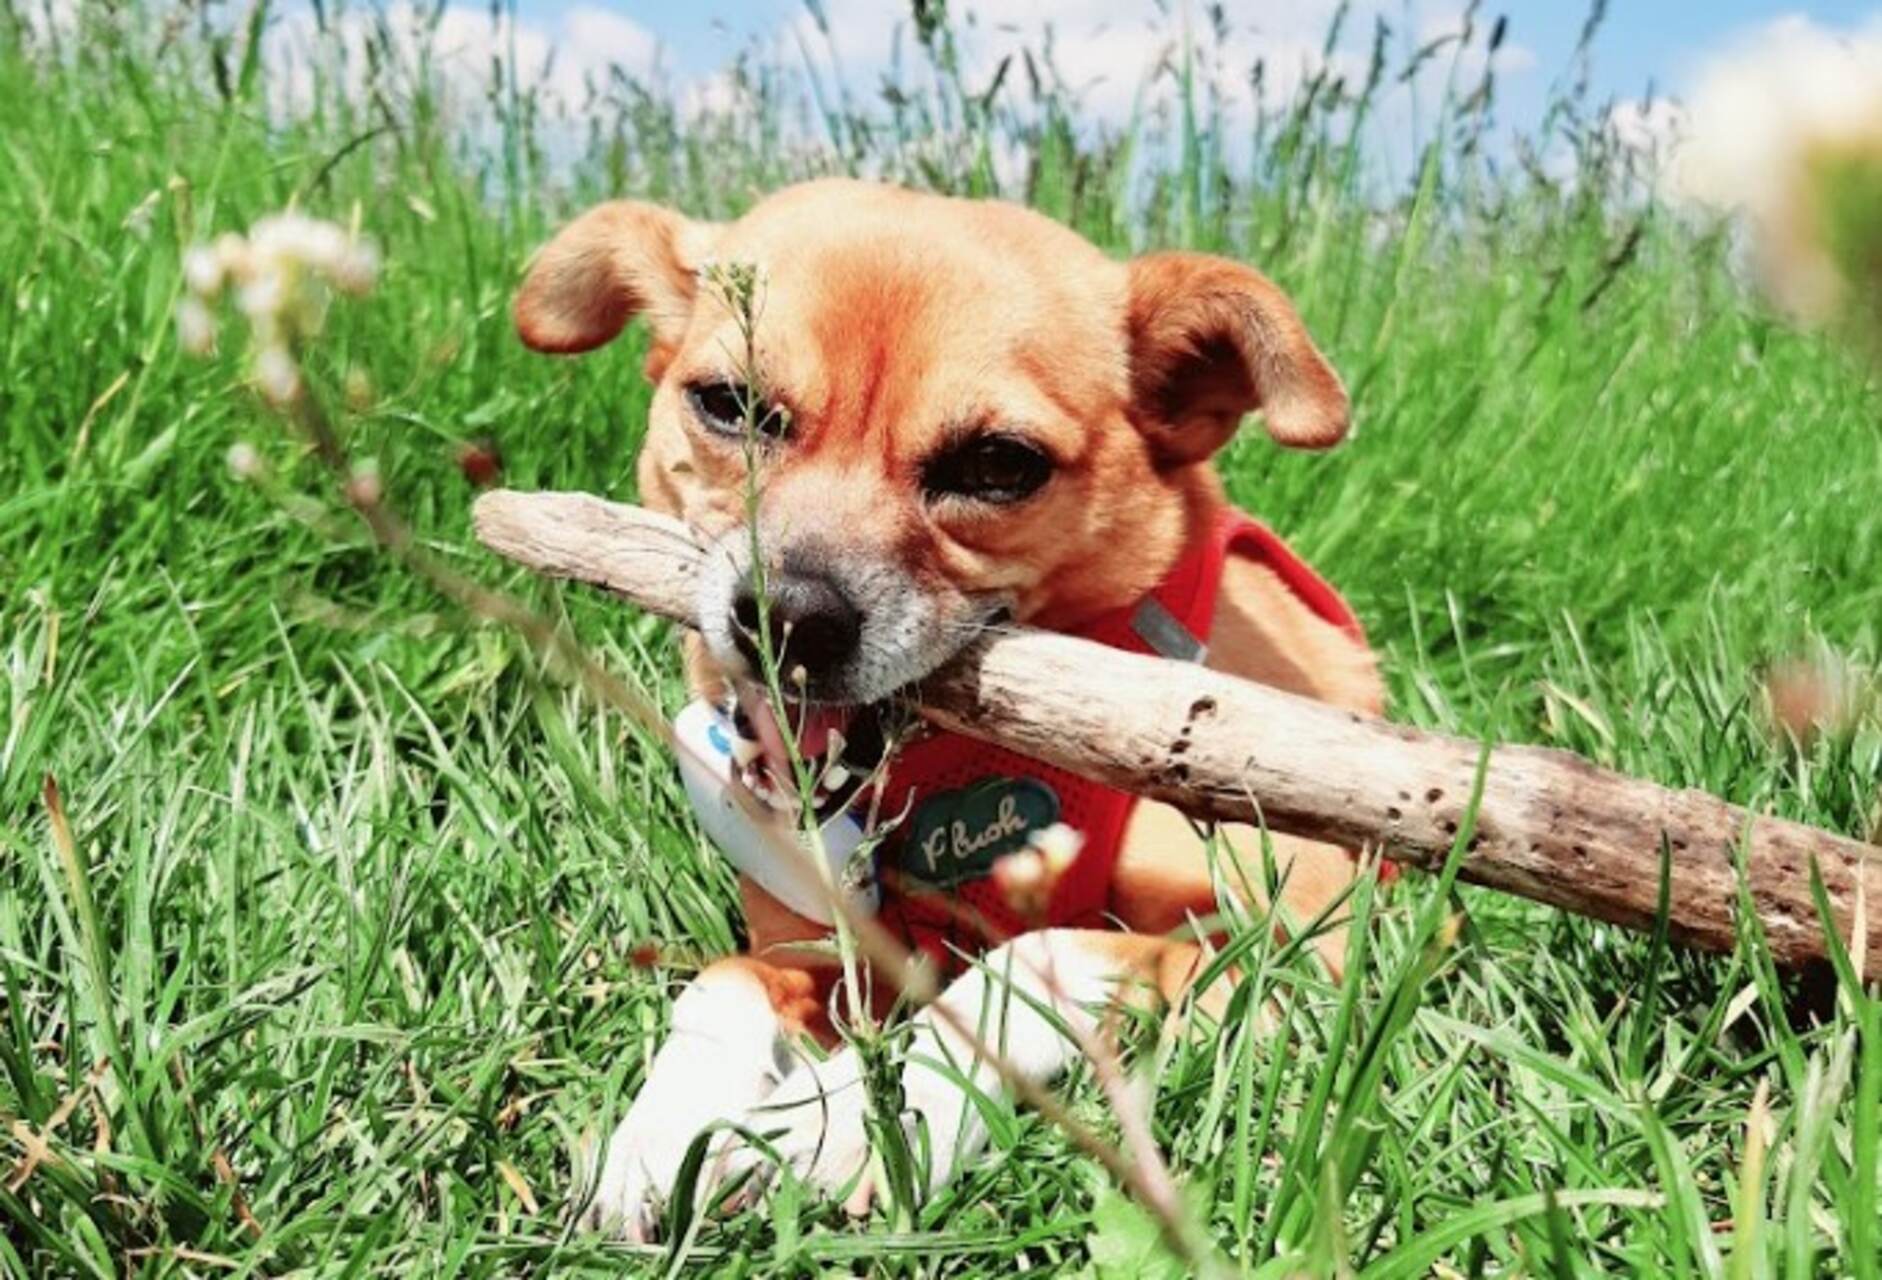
{"points": [[1643, 41]]}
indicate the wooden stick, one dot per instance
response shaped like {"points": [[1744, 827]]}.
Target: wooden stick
{"points": [[1551, 826]]}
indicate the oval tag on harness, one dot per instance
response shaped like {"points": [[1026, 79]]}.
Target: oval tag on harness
{"points": [[958, 835]]}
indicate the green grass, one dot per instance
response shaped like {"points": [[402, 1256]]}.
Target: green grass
{"points": [[356, 891]]}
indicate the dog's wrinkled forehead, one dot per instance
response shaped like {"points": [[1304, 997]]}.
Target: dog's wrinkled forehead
{"points": [[894, 309]]}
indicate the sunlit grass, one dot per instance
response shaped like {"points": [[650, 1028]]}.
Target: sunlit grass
{"points": [[372, 896]]}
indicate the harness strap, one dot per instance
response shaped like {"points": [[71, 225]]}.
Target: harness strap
{"points": [[966, 803]]}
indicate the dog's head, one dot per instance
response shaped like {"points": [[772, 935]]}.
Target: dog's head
{"points": [[963, 412]]}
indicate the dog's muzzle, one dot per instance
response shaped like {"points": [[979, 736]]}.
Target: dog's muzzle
{"points": [[814, 629]]}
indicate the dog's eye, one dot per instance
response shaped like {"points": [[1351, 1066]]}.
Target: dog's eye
{"points": [[731, 407], [988, 469]]}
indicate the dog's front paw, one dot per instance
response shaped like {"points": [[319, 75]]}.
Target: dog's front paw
{"points": [[639, 1167], [814, 1125], [722, 1058]]}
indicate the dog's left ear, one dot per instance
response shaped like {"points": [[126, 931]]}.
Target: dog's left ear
{"points": [[618, 260], [1212, 340]]}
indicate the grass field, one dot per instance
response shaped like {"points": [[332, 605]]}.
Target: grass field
{"points": [[342, 957]]}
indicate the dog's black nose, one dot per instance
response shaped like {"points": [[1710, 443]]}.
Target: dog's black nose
{"points": [[811, 622]]}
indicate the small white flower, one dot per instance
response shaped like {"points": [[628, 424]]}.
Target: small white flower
{"points": [[264, 296], [294, 237], [244, 462], [1058, 844], [202, 271], [322, 246], [233, 256], [1023, 870], [278, 233], [357, 270], [276, 376], [195, 327], [1025, 882]]}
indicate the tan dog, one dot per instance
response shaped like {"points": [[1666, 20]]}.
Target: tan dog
{"points": [[970, 414]]}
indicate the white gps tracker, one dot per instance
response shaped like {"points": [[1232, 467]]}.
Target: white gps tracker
{"points": [[760, 845]]}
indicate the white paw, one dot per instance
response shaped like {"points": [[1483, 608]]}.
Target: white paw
{"points": [[640, 1166], [633, 1192], [720, 1061], [814, 1122]]}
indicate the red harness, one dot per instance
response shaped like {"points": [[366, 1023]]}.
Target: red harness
{"points": [[968, 803]]}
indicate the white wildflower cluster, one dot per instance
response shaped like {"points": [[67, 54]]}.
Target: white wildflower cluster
{"points": [[1786, 130], [282, 274]]}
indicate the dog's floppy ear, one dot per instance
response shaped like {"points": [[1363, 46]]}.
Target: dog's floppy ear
{"points": [[1211, 340], [616, 261]]}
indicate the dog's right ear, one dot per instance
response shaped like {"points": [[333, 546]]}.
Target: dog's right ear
{"points": [[616, 261], [1211, 340]]}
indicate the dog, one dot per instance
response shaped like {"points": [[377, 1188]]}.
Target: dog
{"points": [[961, 414]]}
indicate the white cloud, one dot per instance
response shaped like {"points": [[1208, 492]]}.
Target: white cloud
{"points": [[1511, 58], [1102, 50], [1109, 53], [453, 51], [1649, 128], [599, 37], [1114, 57]]}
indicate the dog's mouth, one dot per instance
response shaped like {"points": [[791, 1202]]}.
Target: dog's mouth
{"points": [[840, 746]]}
